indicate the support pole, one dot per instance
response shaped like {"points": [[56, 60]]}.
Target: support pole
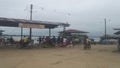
{"points": [[105, 30], [21, 41], [31, 7], [49, 32], [21, 32]]}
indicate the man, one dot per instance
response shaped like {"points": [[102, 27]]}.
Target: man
{"points": [[25, 39], [40, 39], [87, 44], [64, 41], [11, 40], [53, 41]]}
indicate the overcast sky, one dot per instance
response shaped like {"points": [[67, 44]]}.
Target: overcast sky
{"points": [[86, 15]]}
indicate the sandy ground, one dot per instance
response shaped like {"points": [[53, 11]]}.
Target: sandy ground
{"points": [[99, 56]]}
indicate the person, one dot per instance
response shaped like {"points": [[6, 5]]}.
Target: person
{"points": [[29, 40], [61, 41], [40, 39], [87, 44], [73, 41], [64, 41], [118, 45], [0, 41], [58, 40], [11, 40], [25, 39], [43, 40], [53, 40]]}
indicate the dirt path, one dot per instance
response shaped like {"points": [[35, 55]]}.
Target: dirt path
{"points": [[98, 57]]}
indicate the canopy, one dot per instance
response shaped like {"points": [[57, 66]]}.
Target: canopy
{"points": [[117, 33], [11, 22], [74, 31]]}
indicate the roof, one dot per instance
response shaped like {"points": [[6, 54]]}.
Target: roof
{"points": [[1, 30], [110, 37], [11, 22], [117, 33], [74, 31], [116, 28]]}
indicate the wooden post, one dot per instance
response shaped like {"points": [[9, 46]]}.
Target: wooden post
{"points": [[49, 32], [31, 7]]}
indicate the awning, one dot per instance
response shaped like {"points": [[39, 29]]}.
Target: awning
{"points": [[11, 22]]}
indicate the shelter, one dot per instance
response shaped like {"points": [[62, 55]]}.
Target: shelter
{"points": [[10, 22], [118, 36], [22, 23], [73, 32], [117, 33], [116, 28]]}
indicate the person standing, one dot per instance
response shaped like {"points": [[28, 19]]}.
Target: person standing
{"points": [[11, 40], [58, 40], [25, 39], [64, 42], [39, 39], [87, 44], [53, 41]]}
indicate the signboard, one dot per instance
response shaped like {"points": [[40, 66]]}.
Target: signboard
{"points": [[24, 25]]}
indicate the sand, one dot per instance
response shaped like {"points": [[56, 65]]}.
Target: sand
{"points": [[100, 56]]}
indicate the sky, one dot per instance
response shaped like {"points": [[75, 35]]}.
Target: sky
{"points": [[85, 15]]}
